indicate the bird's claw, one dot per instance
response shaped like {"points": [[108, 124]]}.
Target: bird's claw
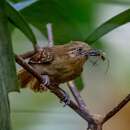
{"points": [[65, 99], [45, 80], [42, 88], [45, 83]]}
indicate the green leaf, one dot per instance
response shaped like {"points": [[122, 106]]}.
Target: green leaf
{"points": [[8, 80], [24, 4], [7, 62], [15, 1], [71, 19], [79, 83], [18, 21], [109, 25], [118, 2]]}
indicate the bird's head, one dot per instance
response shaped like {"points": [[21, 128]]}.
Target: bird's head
{"points": [[82, 49]]}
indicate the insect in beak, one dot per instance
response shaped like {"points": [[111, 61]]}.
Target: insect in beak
{"points": [[100, 54]]}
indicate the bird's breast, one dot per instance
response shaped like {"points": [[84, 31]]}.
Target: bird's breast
{"points": [[68, 70]]}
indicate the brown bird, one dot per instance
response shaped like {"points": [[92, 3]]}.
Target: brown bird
{"points": [[57, 64]]}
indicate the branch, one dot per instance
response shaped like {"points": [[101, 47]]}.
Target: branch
{"points": [[95, 122], [116, 109], [85, 114], [27, 54], [76, 94]]}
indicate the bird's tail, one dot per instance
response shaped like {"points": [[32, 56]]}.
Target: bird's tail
{"points": [[28, 80]]}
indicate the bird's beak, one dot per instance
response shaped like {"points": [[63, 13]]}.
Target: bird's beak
{"points": [[91, 52], [94, 52]]}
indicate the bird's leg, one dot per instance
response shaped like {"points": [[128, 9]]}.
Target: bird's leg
{"points": [[45, 82]]}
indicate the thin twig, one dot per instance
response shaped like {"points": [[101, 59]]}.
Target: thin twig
{"points": [[116, 109], [76, 94], [27, 54], [50, 35]]}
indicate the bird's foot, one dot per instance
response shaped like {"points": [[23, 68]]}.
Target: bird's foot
{"points": [[65, 99], [45, 80], [45, 83]]}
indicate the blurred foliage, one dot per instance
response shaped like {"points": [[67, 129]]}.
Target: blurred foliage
{"points": [[109, 25], [15, 1], [8, 80], [7, 64], [120, 2], [18, 20], [71, 19], [79, 83]]}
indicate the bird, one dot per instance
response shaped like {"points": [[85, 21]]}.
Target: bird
{"points": [[57, 64]]}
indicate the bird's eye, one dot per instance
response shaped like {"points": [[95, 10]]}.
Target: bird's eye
{"points": [[79, 49]]}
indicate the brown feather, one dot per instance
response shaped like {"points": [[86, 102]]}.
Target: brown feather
{"points": [[61, 63], [27, 80], [44, 55], [24, 77], [34, 85]]}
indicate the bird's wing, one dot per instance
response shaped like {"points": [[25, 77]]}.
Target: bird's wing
{"points": [[43, 55]]}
